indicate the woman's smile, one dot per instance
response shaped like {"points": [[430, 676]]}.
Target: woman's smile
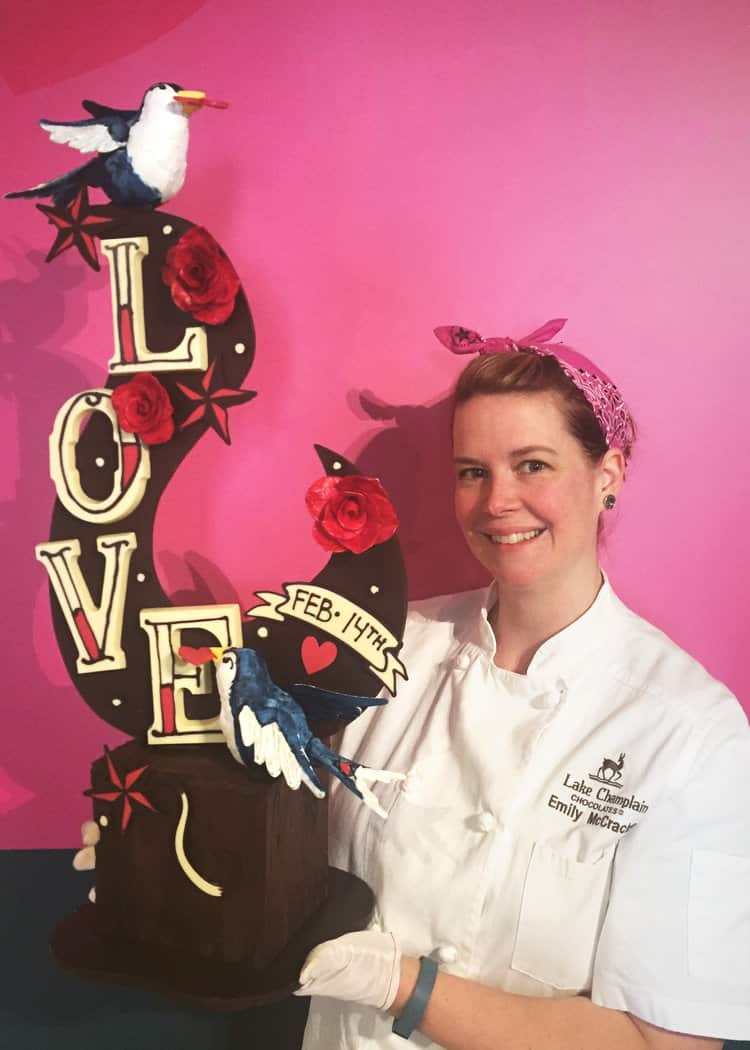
{"points": [[513, 539]]}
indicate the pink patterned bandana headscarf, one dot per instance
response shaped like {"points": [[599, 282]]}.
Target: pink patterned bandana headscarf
{"points": [[598, 389]]}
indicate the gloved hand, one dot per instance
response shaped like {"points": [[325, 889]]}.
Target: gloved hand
{"points": [[85, 859], [362, 967]]}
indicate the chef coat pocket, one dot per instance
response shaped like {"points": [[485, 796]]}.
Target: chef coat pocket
{"points": [[718, 923], [562, 911]]}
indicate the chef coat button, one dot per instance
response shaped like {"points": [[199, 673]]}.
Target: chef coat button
{"points": [[447, 954], [462, 662], [486, 821]]}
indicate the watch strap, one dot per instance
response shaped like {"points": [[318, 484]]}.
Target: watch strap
{"points": [[416, 1004]]}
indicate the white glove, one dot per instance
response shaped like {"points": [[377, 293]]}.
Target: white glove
{"points": [[362, 967], [85, 859]]}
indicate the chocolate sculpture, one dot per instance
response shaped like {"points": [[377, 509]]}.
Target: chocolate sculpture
{"points": [[212, 877]]}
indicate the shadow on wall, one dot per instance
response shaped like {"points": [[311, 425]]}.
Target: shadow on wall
{"points": [[195, 580], [413, 459], [34, 384]]}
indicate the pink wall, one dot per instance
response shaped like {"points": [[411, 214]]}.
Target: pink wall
{"points": [[382, 171]]}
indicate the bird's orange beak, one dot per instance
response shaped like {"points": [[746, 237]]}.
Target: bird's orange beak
{"points": [[192, 100], [216, 653]]}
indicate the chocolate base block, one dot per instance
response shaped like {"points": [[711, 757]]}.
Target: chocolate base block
{"points": [[216, 861], [78, 948]]}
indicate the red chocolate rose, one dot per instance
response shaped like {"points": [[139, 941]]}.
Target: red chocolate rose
{"points": [[201, 279], [352, 513], [142, 407]]}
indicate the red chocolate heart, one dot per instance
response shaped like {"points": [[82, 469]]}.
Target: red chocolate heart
{"points": [[317, 655]]}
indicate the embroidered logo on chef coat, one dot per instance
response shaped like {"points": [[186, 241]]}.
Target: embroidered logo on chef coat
{"points": [[610, 772], [604, 806]]}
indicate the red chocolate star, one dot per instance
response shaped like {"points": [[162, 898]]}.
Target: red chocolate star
{"points": [[123, 790], [75, 223], [212, 403]]}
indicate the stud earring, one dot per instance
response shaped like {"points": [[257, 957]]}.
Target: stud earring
{"points": [[609, 501]]}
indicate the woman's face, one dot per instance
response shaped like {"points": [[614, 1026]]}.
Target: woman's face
{"points": [[527, 497]]}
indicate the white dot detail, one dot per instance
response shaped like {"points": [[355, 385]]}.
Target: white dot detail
{"points": [[99, 461], [262, 632], [374, 589], [166, 230], [141, 576], [104, 821], [239, 348], [116, 702], [336, 465]]}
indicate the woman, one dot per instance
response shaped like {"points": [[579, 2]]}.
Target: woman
{"points": [[571, 846]]}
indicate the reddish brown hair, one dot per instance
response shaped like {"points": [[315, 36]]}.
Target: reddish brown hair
{"points": [[520, 372]]}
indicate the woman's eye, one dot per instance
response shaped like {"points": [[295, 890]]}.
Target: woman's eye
{"points": [[532, 466], [470, 473]]}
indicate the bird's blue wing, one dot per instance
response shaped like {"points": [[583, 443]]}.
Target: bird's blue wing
{"points": [[324, 703], [96, 109], [119, 129], [63, 189], [95, 135]]}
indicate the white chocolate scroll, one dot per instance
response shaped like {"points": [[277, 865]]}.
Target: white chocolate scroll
{"points": [[341, 619], [197, 879]]}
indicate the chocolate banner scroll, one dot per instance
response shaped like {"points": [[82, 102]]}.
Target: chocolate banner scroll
{"points": [[341, 619]]}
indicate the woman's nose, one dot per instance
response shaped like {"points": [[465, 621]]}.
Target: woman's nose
{"points": [[501, 495]]}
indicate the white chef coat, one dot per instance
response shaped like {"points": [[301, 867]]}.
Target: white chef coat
{"points": [[580, 829]]}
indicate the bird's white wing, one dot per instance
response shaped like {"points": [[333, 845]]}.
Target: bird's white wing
{"points": [[291, 769], [272, 742], [248, 724], [271, 750], [88, 138]]}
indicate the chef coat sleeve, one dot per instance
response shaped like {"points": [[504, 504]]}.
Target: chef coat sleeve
{"points": [[675, 943]]}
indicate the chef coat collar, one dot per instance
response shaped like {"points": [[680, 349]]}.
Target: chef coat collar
{"points": [[565, 651]]}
